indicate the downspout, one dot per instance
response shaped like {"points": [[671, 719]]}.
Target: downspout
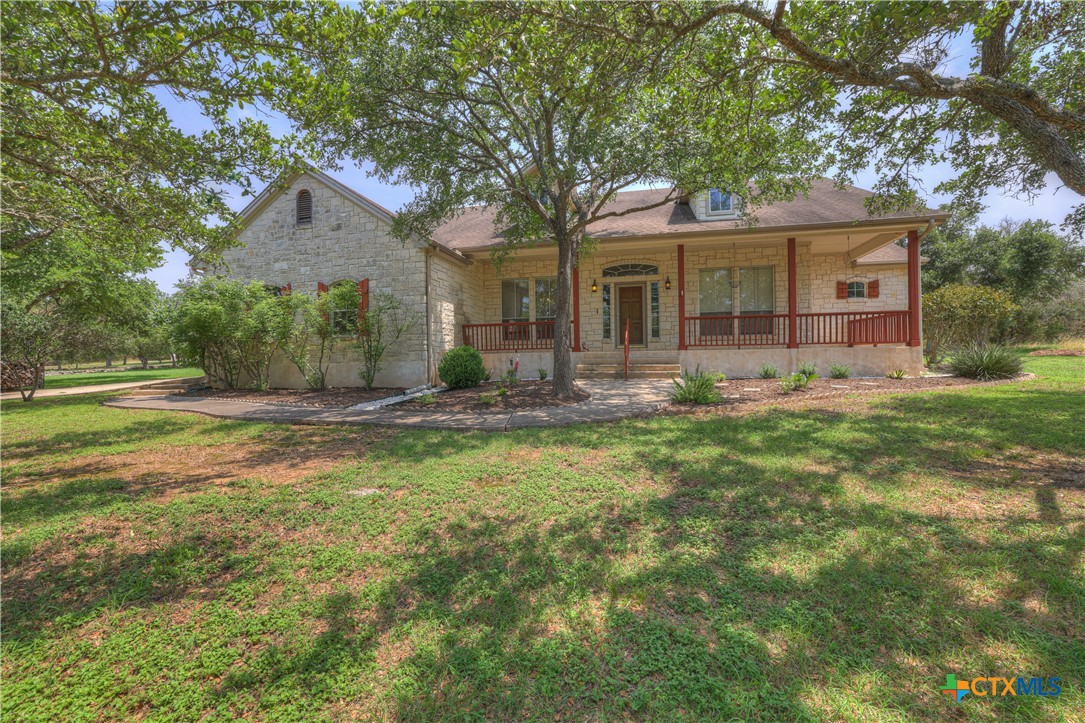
{"points": [[429, 329]]}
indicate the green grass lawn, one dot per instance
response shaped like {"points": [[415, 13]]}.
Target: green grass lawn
{"points": [[825, 564], [61, 381]]}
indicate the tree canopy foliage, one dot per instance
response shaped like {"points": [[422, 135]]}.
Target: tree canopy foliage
{"points": [[96, 173], [903, 100], [1028, 260]]}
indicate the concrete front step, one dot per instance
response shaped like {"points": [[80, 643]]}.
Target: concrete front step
{"points": [[633, 374], [637, 370], [620, 366], [617, 355]]}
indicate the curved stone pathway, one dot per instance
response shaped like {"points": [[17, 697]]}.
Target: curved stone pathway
{"points": [[610, 400]]}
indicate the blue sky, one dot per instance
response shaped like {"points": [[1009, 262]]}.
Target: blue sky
{"points": [[1053, 204]]}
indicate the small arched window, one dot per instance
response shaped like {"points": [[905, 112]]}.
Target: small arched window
{"points": [[304, 207], [631, 270]]}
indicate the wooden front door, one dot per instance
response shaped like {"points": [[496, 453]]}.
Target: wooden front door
{"points": [[631, 307]]}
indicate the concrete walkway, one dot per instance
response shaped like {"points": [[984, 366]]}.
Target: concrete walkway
{"points": [[90, 388], [609, 401]]}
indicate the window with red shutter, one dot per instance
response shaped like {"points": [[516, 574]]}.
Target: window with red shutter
{"points": [[363, 300], [841, 289]]}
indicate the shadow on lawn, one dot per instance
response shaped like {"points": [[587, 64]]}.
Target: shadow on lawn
{"points": [[752, 587]]}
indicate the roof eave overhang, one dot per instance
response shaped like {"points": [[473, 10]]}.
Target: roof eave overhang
{"points": [[769, 234]]}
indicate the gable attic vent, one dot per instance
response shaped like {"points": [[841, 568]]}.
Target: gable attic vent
{"points": [[304, 211]]}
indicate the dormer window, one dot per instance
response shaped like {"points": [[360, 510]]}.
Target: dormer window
{"points": [[720, 203], [304, 208]]}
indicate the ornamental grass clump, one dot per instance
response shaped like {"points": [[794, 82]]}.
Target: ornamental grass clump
{"points": [[839, 371], [977, 361], [696, 388], [768, 371]]}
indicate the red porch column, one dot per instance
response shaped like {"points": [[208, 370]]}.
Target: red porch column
{"points": [[576, 309], [681, 296], [913, 288], [792, 297]]}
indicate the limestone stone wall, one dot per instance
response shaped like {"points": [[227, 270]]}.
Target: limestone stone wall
{"points": [[343, 242], [456, 298], [826, 270]]}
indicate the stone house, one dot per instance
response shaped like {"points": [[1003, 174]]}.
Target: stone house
{"points": [[683, 285]]}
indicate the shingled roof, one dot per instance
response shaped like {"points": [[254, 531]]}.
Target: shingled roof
{"points": [[474, 229]]}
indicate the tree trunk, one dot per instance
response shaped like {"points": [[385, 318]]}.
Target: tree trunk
{"points": [[564, 383], [144, 360], [108, 361]]}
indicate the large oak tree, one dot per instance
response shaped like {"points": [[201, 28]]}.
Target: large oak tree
{"points": [[97, 173], [514, 105], [994, 88]]}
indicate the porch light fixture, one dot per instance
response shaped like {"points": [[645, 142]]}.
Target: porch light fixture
{"points": [[667, 284], [594, 286]]}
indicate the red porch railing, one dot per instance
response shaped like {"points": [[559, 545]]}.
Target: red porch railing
{"points": [[749, 330], [844, 327], [848, 327], [510, 336]]}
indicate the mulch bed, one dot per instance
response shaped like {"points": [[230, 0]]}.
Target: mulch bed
{"points": [[324, 398], [738, 393], [1057, 352], [522, 395]]}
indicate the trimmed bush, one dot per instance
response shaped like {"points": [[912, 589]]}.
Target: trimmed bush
{"points": [[462, 367], [808, 369], [976, 361], [696, 388], [957, 315], [768, 371], [839, 371]]}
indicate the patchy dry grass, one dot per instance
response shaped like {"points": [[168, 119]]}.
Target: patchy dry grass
{"points": [[789, 564]]}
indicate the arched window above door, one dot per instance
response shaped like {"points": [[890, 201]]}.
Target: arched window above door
{"points": [[630, 270]]}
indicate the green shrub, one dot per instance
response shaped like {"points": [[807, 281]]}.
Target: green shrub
{"points": [[696, 388], [839, 371], [808, 369], [957, 315], [488, 398], [542, 374], [718, 376], [768, 371], [427, 399], [509, 376], [796, 381], [462, 367], [897, 374], [502, 391], [977, 361]]}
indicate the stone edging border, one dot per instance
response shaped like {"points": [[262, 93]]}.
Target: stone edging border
{"points": [[795, 402]]}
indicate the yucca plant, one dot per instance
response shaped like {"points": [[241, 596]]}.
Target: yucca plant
{"points": [[696, 388], [768, 371], [978, 361], [808, 369]]}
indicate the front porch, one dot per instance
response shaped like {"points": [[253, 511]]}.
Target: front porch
{"points": [[726, 307]]}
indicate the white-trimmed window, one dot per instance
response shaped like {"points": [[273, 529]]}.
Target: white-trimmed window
{"points": [[756, 290], [856, 290], [721, 203], [515, 300]]}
